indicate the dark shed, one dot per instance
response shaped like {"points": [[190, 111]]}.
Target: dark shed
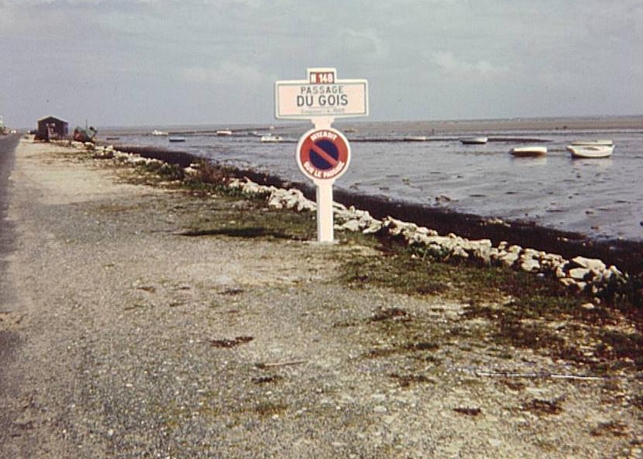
{"points": [[52, 128]]}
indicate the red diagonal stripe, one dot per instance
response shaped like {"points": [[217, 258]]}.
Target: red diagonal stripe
{"points": [[325, 156]]}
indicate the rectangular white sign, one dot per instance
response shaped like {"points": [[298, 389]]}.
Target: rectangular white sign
{"points": [[323, 95]]}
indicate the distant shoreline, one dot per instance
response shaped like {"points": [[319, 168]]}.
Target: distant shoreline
{"points": [[587, 123], [627, 255]]}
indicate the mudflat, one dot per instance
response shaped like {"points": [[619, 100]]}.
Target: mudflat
{"points": [[130, 339]]}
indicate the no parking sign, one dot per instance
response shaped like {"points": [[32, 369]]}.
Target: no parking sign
{"points": [[323, 154]]}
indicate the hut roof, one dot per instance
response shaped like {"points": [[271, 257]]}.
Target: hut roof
{"points": [[46, 118]]}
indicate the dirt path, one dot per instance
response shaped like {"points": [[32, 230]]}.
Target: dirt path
{"points": [[134, 341]]}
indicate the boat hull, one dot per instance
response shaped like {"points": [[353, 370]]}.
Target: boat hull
{"points": [[474, 140], [271, 139], [525, 152], [590, 151]]}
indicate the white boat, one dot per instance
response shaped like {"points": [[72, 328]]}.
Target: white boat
{"points": [[533, 150], [176, 139], [224, 132], [271, 138], [590, 151], [474, 140], [415, 138], [157, 132], [601, 142]]}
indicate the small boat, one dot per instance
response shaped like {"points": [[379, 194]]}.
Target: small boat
{"points": [[176, 139], [590, 151], [533, 150], [84, 135], [159, 133], [271, 138], [224, 132], [600, 142], [415, 138], [474, 140]]}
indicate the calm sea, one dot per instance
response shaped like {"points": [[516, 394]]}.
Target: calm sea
{"points": [[602, 198]]}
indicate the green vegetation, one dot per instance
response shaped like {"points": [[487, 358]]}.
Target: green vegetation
{"points": [[522, 310]]}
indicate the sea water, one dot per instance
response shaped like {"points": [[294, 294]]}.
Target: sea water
{"points": [[601, 198]]}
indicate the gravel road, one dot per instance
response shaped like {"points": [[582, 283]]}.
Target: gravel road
{"points": [[132, 341], [7, 147]]}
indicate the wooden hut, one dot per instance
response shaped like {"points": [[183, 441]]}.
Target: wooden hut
{"points": [[52, 128]]}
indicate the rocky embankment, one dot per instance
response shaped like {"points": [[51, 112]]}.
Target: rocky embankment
{"points": [[580, 273]]}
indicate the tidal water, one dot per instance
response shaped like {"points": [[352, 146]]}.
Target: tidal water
{"points": [[601, 198]]}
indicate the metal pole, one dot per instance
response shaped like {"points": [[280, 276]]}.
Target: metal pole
{"points": [[325, 221], [325, 211]]}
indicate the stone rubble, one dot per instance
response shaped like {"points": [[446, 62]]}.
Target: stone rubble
{"points": [[580, 274]]}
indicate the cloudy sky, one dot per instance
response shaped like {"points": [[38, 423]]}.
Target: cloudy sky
{"points": [[169, 62]]}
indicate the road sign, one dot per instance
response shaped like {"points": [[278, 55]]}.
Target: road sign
{"points": [[321, 94], [323, 154]]}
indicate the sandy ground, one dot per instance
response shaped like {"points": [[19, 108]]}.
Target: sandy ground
{"points": [[125, 339]]}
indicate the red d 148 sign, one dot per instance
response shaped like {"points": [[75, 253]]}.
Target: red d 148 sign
{"points": [[323, 154]]}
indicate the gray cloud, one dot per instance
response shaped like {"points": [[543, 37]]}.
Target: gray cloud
{"points": [[215, 61]]}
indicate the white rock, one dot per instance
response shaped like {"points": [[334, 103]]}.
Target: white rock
{"points": [[373, 227], [459, 252], [579, 274], [508, 258], [589, 263], [560, 272], [350, 225], [567, 282], [530, 265]]}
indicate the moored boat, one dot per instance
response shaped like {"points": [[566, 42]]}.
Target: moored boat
{"points": [[84, 135], [533, 150], [159, 133], [474, 140], [224, 132], [176, 139], [271, 138], [591, 151]]}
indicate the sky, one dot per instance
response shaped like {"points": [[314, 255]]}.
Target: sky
{"points": [[215, 62]]}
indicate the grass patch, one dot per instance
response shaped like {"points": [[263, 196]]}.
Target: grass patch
{"points": [[623, 346], [522, 309], [254, 222]]}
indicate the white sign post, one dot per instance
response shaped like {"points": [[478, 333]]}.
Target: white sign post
{"points": [[323, 153]]}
